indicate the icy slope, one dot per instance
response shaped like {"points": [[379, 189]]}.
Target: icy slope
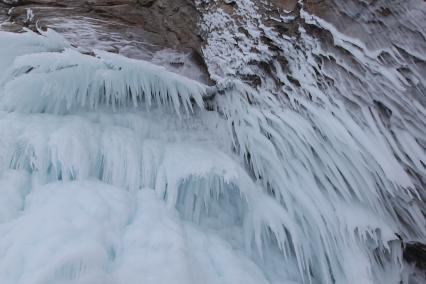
{"points": [[296, 168]]}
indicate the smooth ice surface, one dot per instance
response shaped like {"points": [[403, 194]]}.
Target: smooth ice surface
{"points": [[113, 171]]}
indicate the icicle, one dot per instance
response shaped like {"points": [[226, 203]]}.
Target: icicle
{"points": [[64, 82]]}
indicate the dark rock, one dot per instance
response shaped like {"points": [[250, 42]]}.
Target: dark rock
{"points": [[415, 253]]}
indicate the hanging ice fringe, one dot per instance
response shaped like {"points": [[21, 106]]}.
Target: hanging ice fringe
{"points": [[57, 82]]}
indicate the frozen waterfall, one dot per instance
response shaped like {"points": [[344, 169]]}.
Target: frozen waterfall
{"points": [[114, 170]]}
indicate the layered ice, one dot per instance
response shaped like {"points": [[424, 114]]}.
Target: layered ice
{"points": [[112, 170], [113, 190]]}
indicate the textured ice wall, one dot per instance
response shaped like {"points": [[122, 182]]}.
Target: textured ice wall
{"points": [[331, 121], [109, 175], [303, 171]]}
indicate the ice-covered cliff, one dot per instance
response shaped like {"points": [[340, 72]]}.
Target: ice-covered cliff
{"points": [[212, 141]]}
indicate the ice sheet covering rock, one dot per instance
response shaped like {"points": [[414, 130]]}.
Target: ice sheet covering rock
{"points": [[328, 111], [284, 179]]}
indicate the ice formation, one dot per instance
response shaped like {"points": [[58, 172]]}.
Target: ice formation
{"points": [[115, 170]]}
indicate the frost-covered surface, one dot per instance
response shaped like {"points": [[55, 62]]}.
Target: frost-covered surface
{"points": [[113, 171], [333, 129]]}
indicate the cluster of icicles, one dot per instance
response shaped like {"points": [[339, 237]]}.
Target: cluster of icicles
{"points": [[113, 171]]}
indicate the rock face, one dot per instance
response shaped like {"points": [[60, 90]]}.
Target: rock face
{"points": [[135, 28], [416, 253], [168, 24]]}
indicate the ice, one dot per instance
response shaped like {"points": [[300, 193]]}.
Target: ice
{"points": [[62, 82], [14, 187], [112, 170], [75, 246], [13, 45], [321, 146], [176, 251]]}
